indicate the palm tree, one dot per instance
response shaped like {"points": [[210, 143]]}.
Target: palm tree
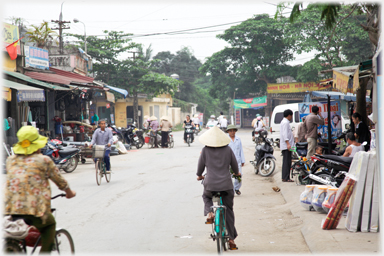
{"points": [[42, 35]]}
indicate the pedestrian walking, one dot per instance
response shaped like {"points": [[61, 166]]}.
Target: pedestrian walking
{"points": [[237, 149], [165, 126], [311, 123], [286, 143]]}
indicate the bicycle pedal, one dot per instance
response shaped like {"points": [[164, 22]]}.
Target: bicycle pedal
{"points": [[207, 222]]}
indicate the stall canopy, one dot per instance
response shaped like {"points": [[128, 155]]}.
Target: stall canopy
{"points": [[119, 90], [34, 81], [337, 95], [25, 92]]}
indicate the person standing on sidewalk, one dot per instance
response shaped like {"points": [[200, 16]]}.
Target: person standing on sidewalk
{"points": [[286, 143], [311, 123], [237, 149], [300, 132], [165, 126]]}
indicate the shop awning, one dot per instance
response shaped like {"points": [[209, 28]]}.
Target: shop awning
{"points": [[251, 102], [119, 90], [34, 81], [25, 92], [337, 96]]}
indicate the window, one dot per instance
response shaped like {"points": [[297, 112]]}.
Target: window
{"points": [[150, 110], [297, 117], [278, 117]]}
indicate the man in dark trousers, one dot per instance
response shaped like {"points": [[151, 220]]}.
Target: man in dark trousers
{"points": [[311, 123], [286, 143]]}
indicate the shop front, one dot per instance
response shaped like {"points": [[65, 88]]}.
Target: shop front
{"points": [[246, 110]]}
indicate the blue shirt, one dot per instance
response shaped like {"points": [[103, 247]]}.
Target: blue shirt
{"points": [[237, 149], [102, 138], [286, 134]]}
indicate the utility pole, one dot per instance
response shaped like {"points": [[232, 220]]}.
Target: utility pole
{"points": [[61, 25]]}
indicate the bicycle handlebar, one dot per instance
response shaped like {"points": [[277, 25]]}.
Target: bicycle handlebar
{"points": [[59, 195]]}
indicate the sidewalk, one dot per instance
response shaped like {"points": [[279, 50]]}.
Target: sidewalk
{"points": [[318, 240]]}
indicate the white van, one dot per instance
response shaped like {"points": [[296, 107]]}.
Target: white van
{"points": [[278, 115]]}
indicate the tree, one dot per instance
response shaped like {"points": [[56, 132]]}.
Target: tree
{"points": [[42, 35], [106, 52], [256, 56]]}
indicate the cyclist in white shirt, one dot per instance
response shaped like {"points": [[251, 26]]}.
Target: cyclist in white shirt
{"points": [[223, 123]]}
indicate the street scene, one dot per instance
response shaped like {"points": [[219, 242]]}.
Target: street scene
{"points": [[181, 128]]}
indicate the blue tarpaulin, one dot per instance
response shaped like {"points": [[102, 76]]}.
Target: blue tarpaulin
{"points": [[119, 90], [337, 96]]}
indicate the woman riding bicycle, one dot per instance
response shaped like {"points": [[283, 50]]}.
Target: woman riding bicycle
{"points": [[103, 136], [27, 192], [216, 157]]}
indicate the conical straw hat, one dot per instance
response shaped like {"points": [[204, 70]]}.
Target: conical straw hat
{"points": [[214, 137], [153, 118], [164, 118]]}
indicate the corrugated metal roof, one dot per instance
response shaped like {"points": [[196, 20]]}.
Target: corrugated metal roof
{"points": [[17, 86], [75, 77], [34, 81]]}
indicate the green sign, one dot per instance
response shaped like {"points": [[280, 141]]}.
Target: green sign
{"points": [[251, 102]]}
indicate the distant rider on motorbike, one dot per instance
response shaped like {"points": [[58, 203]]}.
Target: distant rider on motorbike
{"points": [[211, 122], [188, 121]]}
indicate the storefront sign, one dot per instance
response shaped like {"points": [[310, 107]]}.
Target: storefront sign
{"points": [[112, 119], [251, 102], [110, 97], [30, 95], [306, 108], [36, 57], [238, 117], [201, 118], [108, 105], [294, 87], [7, 94], [10, 34], [342, 81]]}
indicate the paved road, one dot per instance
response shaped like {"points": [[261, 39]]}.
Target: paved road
{"points": [[153, 205]]}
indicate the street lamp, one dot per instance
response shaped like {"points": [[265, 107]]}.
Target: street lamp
{"points": [[85, 34]]}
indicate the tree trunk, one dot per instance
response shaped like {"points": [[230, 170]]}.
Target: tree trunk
{"points": [[135, 107], [361, 100]]}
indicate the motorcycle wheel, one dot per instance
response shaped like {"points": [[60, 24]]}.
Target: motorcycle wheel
{"points": [[270, 167], [71, 165], [189, 142], [323, 175], [139, 143]]}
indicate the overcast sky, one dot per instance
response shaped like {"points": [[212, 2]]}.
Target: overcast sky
{"points": [[147, 17]]}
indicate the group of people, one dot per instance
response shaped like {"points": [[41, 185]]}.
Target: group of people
{"points": [[221, 122], [153, 125], [307, 132]]}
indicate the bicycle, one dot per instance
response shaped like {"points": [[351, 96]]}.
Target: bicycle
{"points": [[300, 169], [219, 230], [100, 166], [63, 241], [171, 142]]}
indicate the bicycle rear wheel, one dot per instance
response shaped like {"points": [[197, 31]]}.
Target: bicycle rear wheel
{"points": [[63, 243], [99, 174], [219, 234]]}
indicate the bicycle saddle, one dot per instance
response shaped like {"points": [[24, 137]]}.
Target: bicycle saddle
{"points": [[219, 193], [68, 151], [302, 144]]}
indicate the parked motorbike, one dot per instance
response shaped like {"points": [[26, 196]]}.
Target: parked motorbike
{"points": [[65, 158], [133, 136], [264, 162], [189, 131]]}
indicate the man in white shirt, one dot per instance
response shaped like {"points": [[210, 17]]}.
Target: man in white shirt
{"points": [[220, 117], [286, 143], [224, 123]]}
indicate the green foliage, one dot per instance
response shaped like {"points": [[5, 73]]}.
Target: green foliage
{"points": [[256, 56], [41, 34], [309, 72]]}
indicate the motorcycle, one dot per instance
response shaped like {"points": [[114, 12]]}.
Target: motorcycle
{"points": [[197, 129], [189, 132], [133, 136], [264, 162], [65, 158], [329, 169]]}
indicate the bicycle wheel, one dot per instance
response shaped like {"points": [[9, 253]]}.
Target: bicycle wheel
{"points": [[99, 174], [108, 175], [219, 232], [224, 232], [63, 243]]}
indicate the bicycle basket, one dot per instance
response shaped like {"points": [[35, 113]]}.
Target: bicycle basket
{"points": [[98, 151]]}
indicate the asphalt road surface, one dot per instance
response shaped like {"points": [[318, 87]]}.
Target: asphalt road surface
{"points": [[153, 204]]}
